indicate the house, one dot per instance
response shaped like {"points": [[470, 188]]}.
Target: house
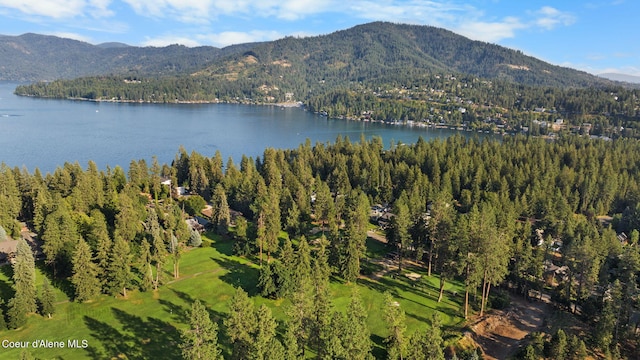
{"points": [[194, 224], [7, 250]]}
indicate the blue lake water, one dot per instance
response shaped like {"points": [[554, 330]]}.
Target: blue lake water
{"points": [[46, 133]]}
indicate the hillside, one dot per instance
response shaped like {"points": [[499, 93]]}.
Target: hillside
{"points": [[387, 52], [33, 57], [375, 51]]}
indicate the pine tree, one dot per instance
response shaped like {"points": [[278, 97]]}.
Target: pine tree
{"points": [[24, 278], [264, 335], [159, 257], [119, 267], [241, 246], [357, 344], [559, 345], [427, 344], [195, 240], [176, 252], [290, 342], [47, 299], [144, 266], [85, 273], [285, 269], [3, 322], [200, 341], [99, 236], [395, 318], [302, 263], [221, 217], [266, 281], [17, 313], [241, 324]]}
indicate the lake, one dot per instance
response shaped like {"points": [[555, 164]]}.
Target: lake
{"points": [[46, 133]]}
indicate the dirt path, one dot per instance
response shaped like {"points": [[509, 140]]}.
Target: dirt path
{"points": [[501, 332]]}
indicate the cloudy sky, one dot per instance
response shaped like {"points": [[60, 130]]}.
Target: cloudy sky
{"points": [[596, 36]]}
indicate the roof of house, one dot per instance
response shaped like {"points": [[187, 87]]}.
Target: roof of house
{"points": [[8, 247]]}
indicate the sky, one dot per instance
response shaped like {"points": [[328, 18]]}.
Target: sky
{"points": [[596, 36]]}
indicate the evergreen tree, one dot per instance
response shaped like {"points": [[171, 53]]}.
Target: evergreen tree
{"points": [[241, 245], [119, 267], [267, 281], [427, 344], [176, 252], [395, 318], [3, 322], [221, 217], [85, 273], [285, 269], [200, 341], [559, 345], [144, 266], [264, 335], [290, 342], [60, 234], [356, 341], [302, 263], [24, 279], [195, 240], [398, 233], [99, 236], [159, 256], [17, 313], [47, 299], [241, 324]]}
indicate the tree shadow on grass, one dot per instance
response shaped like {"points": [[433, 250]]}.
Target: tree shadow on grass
{"points": [[223, 244], [178, 313], [378, 350], [114, 343], [240, 275], [154, 338], [63, 284]]}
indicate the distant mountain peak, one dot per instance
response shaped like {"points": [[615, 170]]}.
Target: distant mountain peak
{"points": [[113, 45], [621, 77]]}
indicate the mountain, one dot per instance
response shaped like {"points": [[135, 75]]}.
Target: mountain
{"points": [[33, 57], [110, 45], [621, 77], [376, 52], [386, 52]]}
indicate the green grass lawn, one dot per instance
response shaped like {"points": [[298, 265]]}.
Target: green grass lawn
{"points": [[145, 325]]}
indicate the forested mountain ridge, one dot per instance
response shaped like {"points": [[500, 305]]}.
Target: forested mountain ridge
{"points": [[374, 51], [33, 57], [385, 51]]}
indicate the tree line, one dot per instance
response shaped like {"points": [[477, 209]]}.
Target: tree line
{"points": [[470, 210]]}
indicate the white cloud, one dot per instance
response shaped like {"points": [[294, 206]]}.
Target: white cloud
{"points": [[59, 9], [413, 11], [221, 39], [188, 11], [546, 18], [202, 11], [549, 18], [491, 31], [226, 38], [70, 35], [170, 40]]}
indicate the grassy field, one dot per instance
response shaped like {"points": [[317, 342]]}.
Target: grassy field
{"points": [[146, 324]]}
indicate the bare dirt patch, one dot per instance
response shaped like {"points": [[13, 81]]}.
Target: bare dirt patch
{"points": [[501, 332]]}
